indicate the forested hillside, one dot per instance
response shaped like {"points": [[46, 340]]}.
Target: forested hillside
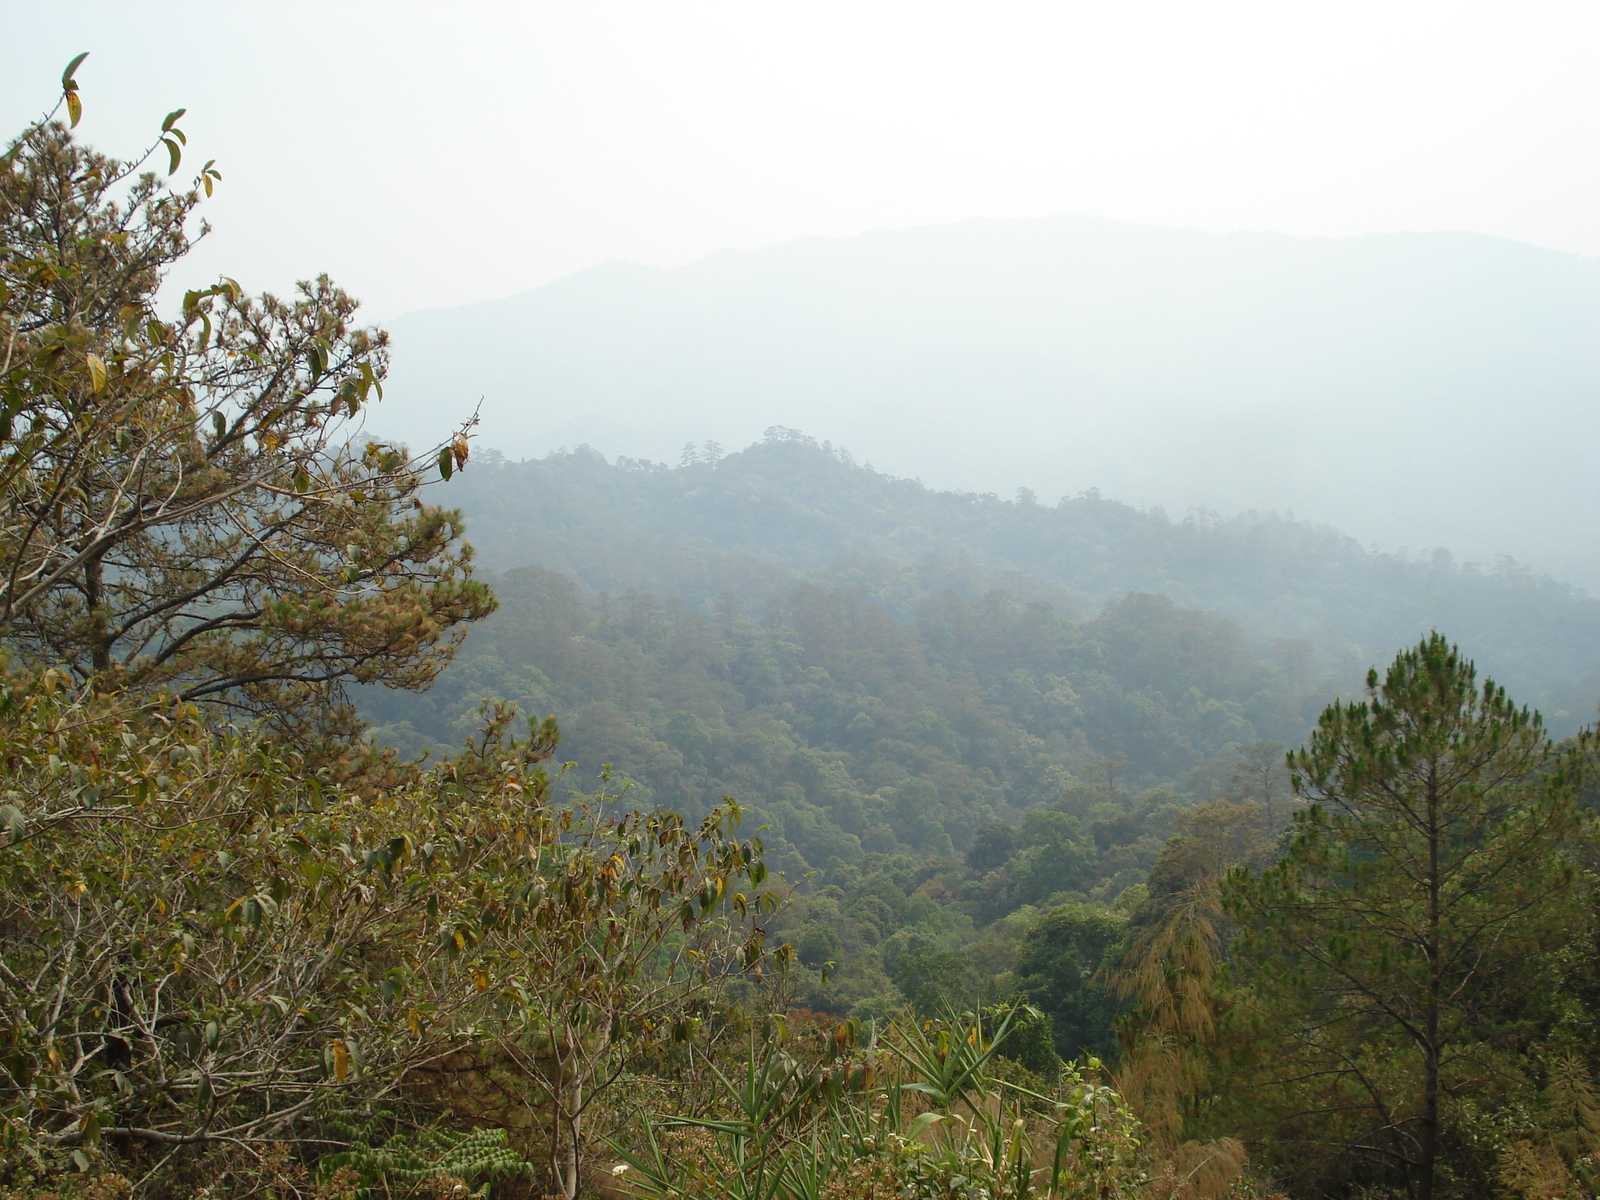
{"points": [[892, 734], [787, 510], [943, 775], [970, 709]]}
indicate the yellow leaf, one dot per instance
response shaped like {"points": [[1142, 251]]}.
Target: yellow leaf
{"points": [[341, 1061], [97, 373]]}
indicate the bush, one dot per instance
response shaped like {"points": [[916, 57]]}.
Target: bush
{"points": [[919, 1113], [202, 946]]}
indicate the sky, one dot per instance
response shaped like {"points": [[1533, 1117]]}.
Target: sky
{"points": [[428, 155]]}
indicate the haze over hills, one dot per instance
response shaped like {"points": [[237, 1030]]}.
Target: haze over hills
{"points": [[1415, 390], [748, 528]]}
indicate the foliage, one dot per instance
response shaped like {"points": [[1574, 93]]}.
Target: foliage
{"points": [[850, 733], [876, 750], [433, 1157], [1399, 959], [756, 522], [1170, 973], [1061, 969], [916, 1112], [1560, 1157], [903, 733], [232, 963], [188, 504], [202, 946]]}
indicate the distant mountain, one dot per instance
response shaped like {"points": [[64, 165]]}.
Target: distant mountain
{"points": [[750, 526], [1416, 390]]}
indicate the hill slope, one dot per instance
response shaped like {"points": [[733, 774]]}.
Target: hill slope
{"points": [[788, 510], [969, 715], [1413, 389]]}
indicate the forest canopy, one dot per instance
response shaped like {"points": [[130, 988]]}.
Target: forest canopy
{"points": [[790, 509]]}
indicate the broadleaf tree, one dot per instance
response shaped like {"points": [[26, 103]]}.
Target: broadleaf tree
{"points": [[203, 949]]}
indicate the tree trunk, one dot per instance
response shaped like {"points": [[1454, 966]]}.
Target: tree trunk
{"points": [[568, 1178], [1428, 1137]]}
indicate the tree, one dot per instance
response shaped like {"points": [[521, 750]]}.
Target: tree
{"points": [[641, 920], [189, 505], [994, 843], [937, 980], [1170, 972], [1262, 777], [1055, 856], [1232, 832], [1395, 957], [1060, 969]]}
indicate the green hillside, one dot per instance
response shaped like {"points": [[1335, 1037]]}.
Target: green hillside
{"points": [[959, 711], [787, 510]]}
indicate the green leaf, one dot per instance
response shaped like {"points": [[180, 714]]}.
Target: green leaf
{"points": [[171, 118], [174, 152], [220, 425], [72, 69], [446, 463]]}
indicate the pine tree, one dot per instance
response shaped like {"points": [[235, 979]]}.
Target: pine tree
{"points": [[189, 504], [1397, 951]]}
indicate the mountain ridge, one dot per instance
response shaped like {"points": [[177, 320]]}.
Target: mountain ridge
{"points": [[1400, 386], [791, 510]]}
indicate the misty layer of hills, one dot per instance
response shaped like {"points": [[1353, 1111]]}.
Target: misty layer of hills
{"points": [[738, 533], [875, 667], [1414, 390]]}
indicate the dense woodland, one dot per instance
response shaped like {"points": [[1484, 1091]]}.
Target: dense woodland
{"points": [[761, 827], [790, 510], [881, 753]]}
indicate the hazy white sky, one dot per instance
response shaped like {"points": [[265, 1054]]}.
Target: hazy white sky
{"points": [[435, 154]]}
